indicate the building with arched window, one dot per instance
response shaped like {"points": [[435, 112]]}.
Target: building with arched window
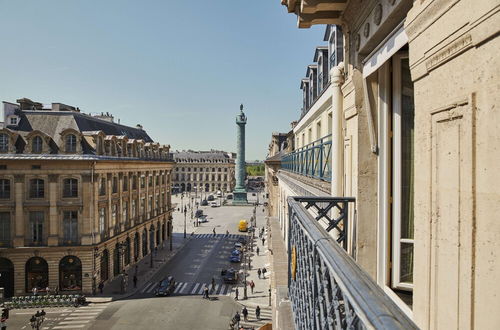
{"points": [[203, 171], [69, 197]]}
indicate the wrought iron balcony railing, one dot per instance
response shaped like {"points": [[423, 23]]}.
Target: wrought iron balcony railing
{"points": [[327, 288], [312, 160]]}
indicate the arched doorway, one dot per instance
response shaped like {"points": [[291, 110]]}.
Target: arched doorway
{"points": [[7, 277], [136, 247], [163, 232], [117, 265], [144, 242], [188, 187], [183, 187], [70, 274], [127, 252], [105, 265], [207, 187], [37, 274]]}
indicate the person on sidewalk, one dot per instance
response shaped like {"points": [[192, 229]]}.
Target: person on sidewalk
{"points": [[213, 231], [259, 272], [236, 292], [227, 232], [101, 286], [252, 285], [244, 311], [257, 313], [205, 292], [237, 318], [135, 281], [213, 284], [263, 241], [257, 250], [264, 271]]}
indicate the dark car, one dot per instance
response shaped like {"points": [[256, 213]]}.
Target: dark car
{"points": [[210, 198], [204, 202], [165, 287], [198, 213], [229, 275], [235, 256], [242, 240]]}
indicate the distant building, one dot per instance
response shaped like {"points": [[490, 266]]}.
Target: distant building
{"points": [[203, 171], [81, 198]]}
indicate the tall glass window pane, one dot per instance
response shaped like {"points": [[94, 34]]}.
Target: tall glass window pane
{"points": [[70, 227], [4, 229], [70, 188], [37, 145], [36, 227], [4, 143], [37, 188], [5, 188], [70, 143]]}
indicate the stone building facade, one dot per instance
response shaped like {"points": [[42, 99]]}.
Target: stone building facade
{"points": [[81, 198], [203, 171], [414, 107]]}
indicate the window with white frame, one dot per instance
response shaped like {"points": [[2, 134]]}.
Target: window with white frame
{"points": [[4, 143], [125, 211], [70, 143], [36, 145], [102, 220], [70, 227]]}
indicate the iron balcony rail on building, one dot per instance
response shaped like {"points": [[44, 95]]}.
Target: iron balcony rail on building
{"points": [[312, 160], [327, 288]]}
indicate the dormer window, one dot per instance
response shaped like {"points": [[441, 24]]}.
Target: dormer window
{"points": [[70, 143], [13, 121], [4, 143], [37, 145]]}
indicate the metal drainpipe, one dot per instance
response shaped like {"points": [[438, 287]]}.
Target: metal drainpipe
{"points": [[337, 79]]}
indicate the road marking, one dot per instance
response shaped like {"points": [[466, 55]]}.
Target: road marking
{"points": [[86, 314], [201, 289], [146, 287], [73, 322], [151, 288], [71, 326], [216, 288], [195, 287], [183, 287], [79, 317]]}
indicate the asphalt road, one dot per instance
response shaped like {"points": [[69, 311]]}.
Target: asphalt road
{"points": [[200, 260]]}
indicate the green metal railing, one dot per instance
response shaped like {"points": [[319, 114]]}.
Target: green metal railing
{"points": [[312, 160]]}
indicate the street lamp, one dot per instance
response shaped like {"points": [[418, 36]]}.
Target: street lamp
{"points": [[185, 212], [37, 319], [245, 275]]}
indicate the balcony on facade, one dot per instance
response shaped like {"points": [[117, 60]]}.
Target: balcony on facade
{"points": [[326, 287], [312, 160]]}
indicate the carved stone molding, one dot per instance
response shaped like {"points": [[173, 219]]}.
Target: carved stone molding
{"points": [[18, 178], [449, 51], [366, 30], [377, 15]]}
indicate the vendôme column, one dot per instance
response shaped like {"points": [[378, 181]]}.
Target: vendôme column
{"points": [[240, 193]]}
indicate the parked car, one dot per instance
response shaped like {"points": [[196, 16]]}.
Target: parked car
{"points": [[165, 287], [229, 275], [210, 198], [214, 204], [235, 256], [202, 219], [204, 202], [242, 240], [229, 196], [238, 246], [198, 213]]}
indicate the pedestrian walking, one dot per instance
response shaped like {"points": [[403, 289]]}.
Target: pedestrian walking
{"points": [[205, 292], [47, 291], [257, 313], [35, 291], [259, 272], [257, 250], [135, 281], [101, 286], [213, 231], [244, 311], [213, 284], [252, 285], [237, 318], [227, 232], [263, 240], [264, 271], [236, 292]]}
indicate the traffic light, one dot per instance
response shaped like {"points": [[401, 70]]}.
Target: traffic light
{"points": [[5, 313]]}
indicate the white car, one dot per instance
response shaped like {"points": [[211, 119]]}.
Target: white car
{"points": [[214, 204], [203, 218]]}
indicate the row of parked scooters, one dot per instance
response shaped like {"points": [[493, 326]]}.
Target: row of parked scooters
{"points": [[45, 301]]}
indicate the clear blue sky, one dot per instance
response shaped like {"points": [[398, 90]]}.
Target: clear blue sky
{"points": [[180, 68]]}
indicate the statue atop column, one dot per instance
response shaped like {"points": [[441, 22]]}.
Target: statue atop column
{"points": [[240, 192]]}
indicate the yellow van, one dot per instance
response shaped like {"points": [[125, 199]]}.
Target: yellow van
{"points": [[243, 225]]}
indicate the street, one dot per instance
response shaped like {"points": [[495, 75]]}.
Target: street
{"points": [[199, 260]]}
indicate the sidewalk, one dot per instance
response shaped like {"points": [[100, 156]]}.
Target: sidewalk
{"points": [[260, 295], [112, 289]]}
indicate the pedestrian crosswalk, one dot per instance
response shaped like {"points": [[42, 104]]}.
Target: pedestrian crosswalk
{"points": [[190, 288], [78, 318], [266, 316], [218, 236]]}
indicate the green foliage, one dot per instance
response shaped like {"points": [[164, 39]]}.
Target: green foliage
{"points": [[255, 170]]}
